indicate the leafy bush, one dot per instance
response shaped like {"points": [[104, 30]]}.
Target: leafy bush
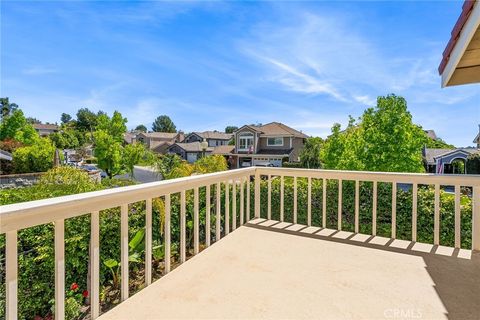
{"points": [[473, 164], [209, 164], [292, 165], [35, 158]]}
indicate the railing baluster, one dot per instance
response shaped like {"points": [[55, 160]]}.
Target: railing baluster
{"points": [[357, 206], [340, 205], [295, 213], [257, 194], [242, 201], [436, 217], [196, 236], [414, 211], [207, 215], [59, 269], [394, 210], [457, 217], [218, 213], [94, 264], [167, 248], [183, 253], [269, 200], [476, 218], [11, 280], [282, 193], [374, 209], [227, 207], [324, 203], [148, 241], [309, 202], [247, 216], [234, 205], [124, 250]]}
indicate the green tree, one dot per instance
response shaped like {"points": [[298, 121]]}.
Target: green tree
{"points": [[35, 158], [108, 138], [310, 154], [32, 120], [383, 139], [166, 163], [67, 139], [65, 118], [473, 164], [15, 126], [132, 155], [231, 129], [209, 164], [86, 120], [7, 108], [164, 124], [141, 128]]}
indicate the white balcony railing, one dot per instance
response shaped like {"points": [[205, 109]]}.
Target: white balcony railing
{"points": [[237, 182]]}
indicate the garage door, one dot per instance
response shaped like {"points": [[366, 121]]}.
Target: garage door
{"points": [[191, 157]]}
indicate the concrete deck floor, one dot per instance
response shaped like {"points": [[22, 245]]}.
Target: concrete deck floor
{"points": [[283, 273]]}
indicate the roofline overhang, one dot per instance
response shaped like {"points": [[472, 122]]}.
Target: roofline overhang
{"points": [[465, 37]]}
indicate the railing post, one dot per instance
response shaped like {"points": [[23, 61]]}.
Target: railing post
{"points": [[457, 217], [234, 205], [59, 269], [183, 255], [309, 202], [148, 241], [257, 194], [282, 196], [269, 199], [11, 280], [227, 207], [436, 216], [167, 249], [196, 236], [207, 216], [324, 203], [340, 197], [124, 250], [218, 212], [414, 211], [357, 206], [95, 264], [295, 213], [394, 210], [476, 219], [374, 209]]}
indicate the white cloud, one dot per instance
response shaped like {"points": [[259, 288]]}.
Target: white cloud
{"points": [[39, 70]]}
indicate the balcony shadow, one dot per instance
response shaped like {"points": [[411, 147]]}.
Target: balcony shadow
{"points": [[455, 272]]}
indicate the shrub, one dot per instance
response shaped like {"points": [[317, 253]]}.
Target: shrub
{"points": [[209, 164], [34, 158], [473, 164]]}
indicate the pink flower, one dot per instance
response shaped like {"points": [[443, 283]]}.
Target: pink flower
{"points": [[85, 293]]}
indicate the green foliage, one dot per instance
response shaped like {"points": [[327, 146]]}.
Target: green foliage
{"points": [[383, 139], [132, 155], [35, 158], [7, 108], [163, 124], [209, 164], [231, 129], [292, 165], [473, 164], [141, 128], [166, 163], [65, 139], [65, 118], [15, 126], [87, 120], [310, 154], [437, 144]]}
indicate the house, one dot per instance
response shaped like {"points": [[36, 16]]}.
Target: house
{"points": [[441, 160], [272, 142], [191, 151], [461, 58], [45, 129], [431, 134], [477, 138], [214, 138], [159, 142]]}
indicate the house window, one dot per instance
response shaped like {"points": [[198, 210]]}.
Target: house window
{"points": [[245, 142], [277, 141]]}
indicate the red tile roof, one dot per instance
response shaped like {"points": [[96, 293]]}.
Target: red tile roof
{"points": [[466, 10]]}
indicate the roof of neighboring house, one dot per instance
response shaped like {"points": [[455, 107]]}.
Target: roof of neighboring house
{"points": [[4, 155], [41, 126], [214, 135], [477, 138], [128, 136], [191, 146], [432, 154], [431, 134], [276, 129], [460, 61], [158, 147], [275, 151], [223, 150], [159, 135]]}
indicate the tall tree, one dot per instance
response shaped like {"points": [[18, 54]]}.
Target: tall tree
{"points": [[86, 119], [231, 129], [164, 124], [7, 108], [65, 118], [141, 128], [15, 126], [310, 154]]}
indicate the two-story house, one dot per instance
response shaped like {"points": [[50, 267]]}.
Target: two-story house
{"points": [[214, 138], [270, 143], [45, 129], [159, 142]]}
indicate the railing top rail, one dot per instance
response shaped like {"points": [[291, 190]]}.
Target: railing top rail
{"points": [[398, 177], [28, 214]]}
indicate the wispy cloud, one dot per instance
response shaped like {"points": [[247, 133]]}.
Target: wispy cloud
{"points": [[39, 70]]}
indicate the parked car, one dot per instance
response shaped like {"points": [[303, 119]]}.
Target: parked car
{"points": [[264, 164]]}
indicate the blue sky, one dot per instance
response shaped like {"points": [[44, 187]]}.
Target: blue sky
{"points": [[212, 64]]}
